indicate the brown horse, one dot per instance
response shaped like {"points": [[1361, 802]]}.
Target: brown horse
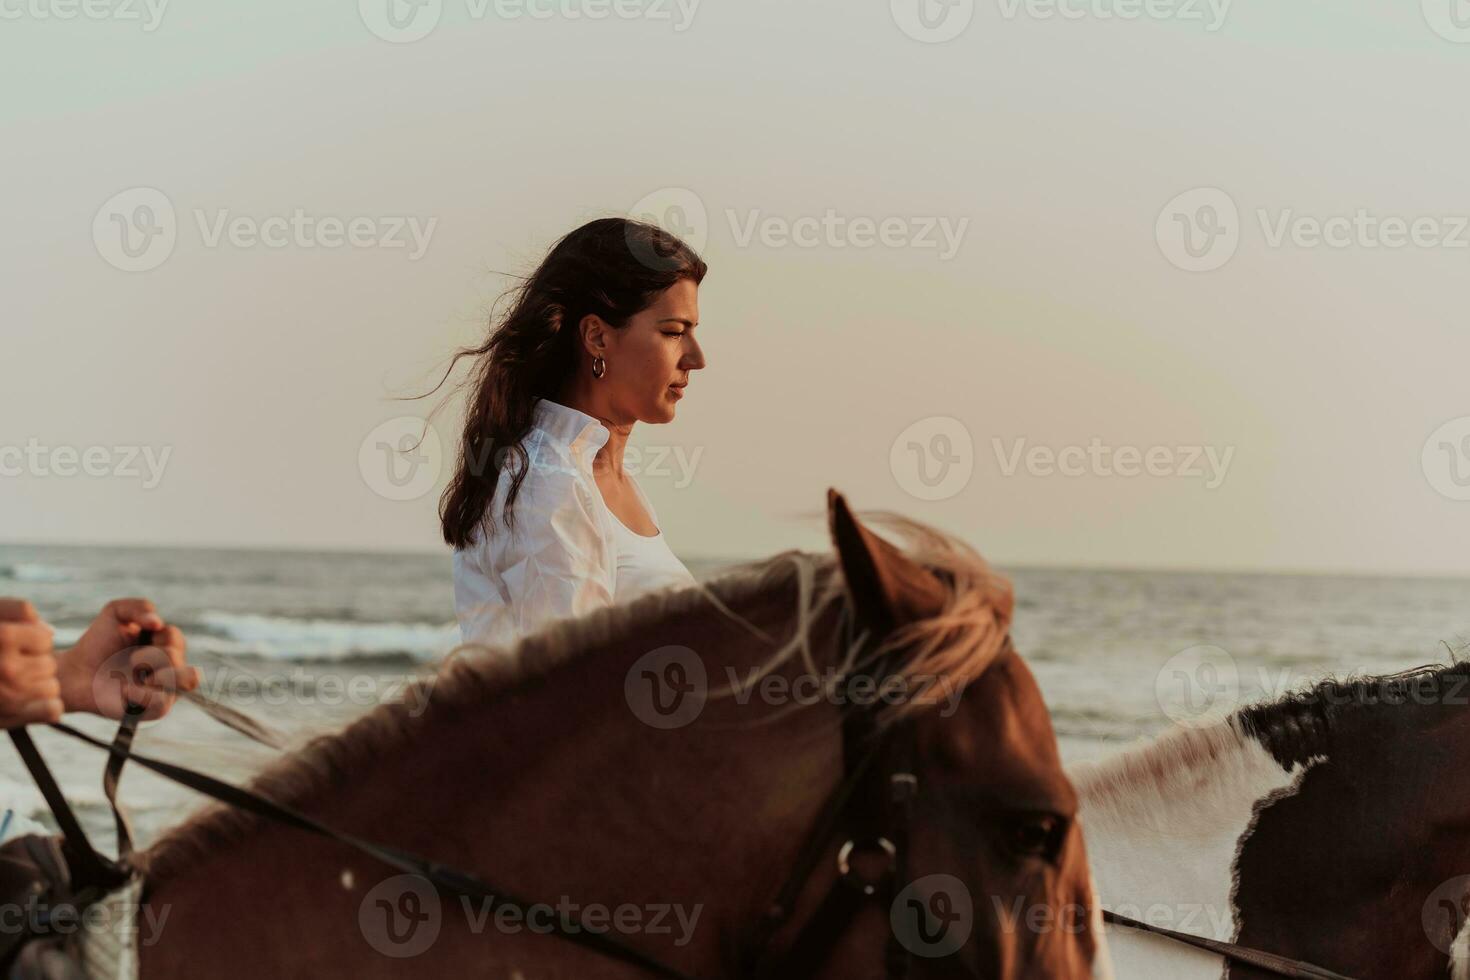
{"points": [[654, 770]]}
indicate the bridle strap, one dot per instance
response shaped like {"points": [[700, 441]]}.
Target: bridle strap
{"points": [[819, 935], [123, 740], [1280, 966], [88, 867], [903, 788], [807, 859], [847, 896], [883, 821]]}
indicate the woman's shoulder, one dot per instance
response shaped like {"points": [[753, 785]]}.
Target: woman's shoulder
{"points": [[554, 469], [543, 463], [547, 455], [546, 491]]}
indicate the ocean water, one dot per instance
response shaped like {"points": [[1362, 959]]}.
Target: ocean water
{"points": [[306, 642]]}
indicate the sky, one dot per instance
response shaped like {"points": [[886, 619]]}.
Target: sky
{"points": [[1174, 284]]}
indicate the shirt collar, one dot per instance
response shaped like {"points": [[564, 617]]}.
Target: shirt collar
{"points": [[569, 425]]}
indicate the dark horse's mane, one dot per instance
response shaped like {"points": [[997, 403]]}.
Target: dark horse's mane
{"points": [[1300, 725]]}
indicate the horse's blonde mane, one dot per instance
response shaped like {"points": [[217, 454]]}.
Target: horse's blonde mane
{"points": [[955, 647], [1156, 775]]}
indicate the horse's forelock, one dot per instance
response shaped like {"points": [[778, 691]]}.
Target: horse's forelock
{"points": [[937, 656], [947, 652]]}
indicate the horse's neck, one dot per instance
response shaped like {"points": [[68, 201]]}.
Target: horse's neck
{"points": [[559, 792], [1163, 826]]}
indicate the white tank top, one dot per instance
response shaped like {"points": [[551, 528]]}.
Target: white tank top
{"points": [[645, 563]]}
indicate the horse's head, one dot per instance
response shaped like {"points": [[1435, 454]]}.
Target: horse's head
{"points": [[968, 802]]}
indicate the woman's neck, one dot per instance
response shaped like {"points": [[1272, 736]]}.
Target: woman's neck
{"points": [[609, 460]]}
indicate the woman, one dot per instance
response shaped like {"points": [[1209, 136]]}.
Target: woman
{"points": [[545, 522]]}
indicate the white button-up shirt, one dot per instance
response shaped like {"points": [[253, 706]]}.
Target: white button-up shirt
{"points": [[562, 558]]}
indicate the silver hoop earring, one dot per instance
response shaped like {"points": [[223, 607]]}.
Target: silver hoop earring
{"points": [[599, 367]]}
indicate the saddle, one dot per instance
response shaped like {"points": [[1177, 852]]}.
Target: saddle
{"points": [[42, 905]]}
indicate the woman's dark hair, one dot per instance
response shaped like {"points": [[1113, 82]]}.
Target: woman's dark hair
{"points": [[613, 267]]}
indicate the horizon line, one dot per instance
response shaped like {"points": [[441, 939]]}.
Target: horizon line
{"points": [[444, 552]]}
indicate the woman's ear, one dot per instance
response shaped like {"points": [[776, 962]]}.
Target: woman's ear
{"points": [[593, 330], [888, 590]]}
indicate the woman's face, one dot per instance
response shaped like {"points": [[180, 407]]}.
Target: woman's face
{"points": [[650, 360]]}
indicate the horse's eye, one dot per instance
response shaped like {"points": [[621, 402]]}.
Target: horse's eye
{"points": [[1035, 835]]}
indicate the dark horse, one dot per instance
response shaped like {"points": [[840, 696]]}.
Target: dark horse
{"points": [[1331, 826], [654, 769]]}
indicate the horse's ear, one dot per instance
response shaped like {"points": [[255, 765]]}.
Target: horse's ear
{"points": [[888, 589]]}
